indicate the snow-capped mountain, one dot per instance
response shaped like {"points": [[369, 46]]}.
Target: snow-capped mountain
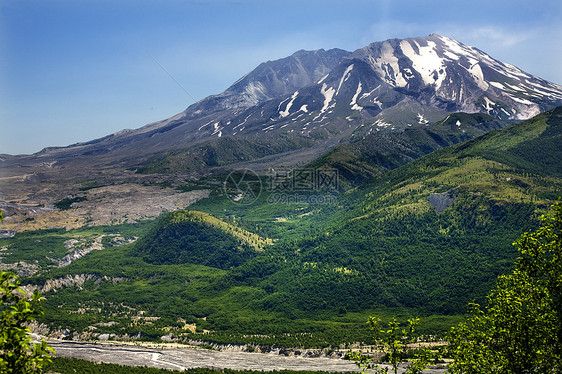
{"points": [[446, 74], [318, 99], [400, 83]]}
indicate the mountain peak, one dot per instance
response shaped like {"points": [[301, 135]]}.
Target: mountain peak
{"points": [[273, 79], [459, 75]]}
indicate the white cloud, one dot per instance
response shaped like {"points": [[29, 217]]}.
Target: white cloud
{"points": [[491, 35]]}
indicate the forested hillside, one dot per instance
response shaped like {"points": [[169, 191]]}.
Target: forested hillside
{"points": [[193, 237], [423, 239]]}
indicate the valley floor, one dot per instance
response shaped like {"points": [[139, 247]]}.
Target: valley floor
{"points": [[180, 358]]}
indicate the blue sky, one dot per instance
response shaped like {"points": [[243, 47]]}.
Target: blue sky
{"points": [[74, 71]]}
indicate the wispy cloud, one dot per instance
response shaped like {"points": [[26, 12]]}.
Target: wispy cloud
{"points": [[499, 36]]}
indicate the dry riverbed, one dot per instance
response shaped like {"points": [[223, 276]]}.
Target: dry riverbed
{"points": [[181, 358]]}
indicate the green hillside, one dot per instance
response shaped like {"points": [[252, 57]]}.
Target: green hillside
{"points": [[192, 237], [399, 251], [224, 151], [533, 145], [423, 239]]}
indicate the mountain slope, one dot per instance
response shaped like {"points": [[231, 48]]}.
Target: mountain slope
{"points": [[375, 153], [490, 199], [430, 72], [534, 146], [272, 79], [448, 74], [391, 86]]}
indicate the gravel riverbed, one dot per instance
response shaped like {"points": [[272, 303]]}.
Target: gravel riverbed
{"points": [[180, 358]]}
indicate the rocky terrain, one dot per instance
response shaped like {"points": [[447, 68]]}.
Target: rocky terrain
{"points": [[106, 205]]}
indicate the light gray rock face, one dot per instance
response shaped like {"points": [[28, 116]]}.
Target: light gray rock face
{"points": [[441, 201], [272, 79]]}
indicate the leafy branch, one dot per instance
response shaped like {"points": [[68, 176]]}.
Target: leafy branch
{"points": [[18, 354]]}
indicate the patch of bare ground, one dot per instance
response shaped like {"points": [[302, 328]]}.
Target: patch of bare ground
{"points": [[107, 205]]}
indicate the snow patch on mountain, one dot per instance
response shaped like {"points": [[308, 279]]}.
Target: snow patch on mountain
{"points": [[285, 113], [451, 55], [328, 94], [344, 77], [476, 72], [377, 102], [426, 62], [381, 123], [387, 66], [207, 124], [513, 87], [498, 85], [217, 129], [281, 103], [421, 119], [353, 102], [455, 47], [489, 107], [323, 78], [367, 94], [522, 101], [555, 91], [241, 123]]}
